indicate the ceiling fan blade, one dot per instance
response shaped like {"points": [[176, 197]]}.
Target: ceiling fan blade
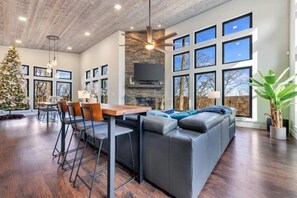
{"points": [[166, 37], [149, 33], [133, 38], [161, 50]]}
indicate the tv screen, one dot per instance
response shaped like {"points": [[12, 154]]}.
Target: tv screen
{"points": [[148, 72]]}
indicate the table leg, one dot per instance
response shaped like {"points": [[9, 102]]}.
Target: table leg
{"points": [[139, 177], [63, 134], [111, 157]]}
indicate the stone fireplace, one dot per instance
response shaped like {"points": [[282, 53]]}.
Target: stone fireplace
{"points": [[143, 95]]}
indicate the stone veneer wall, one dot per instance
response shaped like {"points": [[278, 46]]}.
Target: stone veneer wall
{"points": [[138, 54]]}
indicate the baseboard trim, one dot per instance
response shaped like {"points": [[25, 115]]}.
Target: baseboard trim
{"points": [[254, 125], [293, 132]]}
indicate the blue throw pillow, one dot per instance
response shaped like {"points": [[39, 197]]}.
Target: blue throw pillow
{"points": [[179, 116], [170, 111]]}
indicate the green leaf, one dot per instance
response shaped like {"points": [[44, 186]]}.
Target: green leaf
{"points": [[282, 75], [288, 89], [268, 90], [254, 81], [288, 80], [260, 73], [262, 94], [286, 105], [289, 96], [254, 85], [270, 78]]}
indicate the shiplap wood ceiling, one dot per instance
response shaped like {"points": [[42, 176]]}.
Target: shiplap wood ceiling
{"points": [[70, 19]]}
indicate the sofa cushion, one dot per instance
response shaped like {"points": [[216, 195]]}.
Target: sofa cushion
{"points": [[201, 122], [159, 124]]}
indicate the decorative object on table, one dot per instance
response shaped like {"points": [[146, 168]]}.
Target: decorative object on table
{"points": [[150, 43], [214, 95], [93, 89], [13, 94], [280, 95], [83, 95], [53, 42]]}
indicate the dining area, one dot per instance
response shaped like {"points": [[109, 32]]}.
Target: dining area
{"points": [[93, 123]]}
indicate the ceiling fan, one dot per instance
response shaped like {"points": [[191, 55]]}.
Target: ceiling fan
{"points": [[150, 43]]}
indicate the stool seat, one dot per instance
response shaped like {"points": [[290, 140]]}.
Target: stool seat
{"points": [[88, 124], [101, 131]]}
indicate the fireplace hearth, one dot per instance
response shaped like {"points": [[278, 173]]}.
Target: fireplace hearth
{"points": [[146, 101]]}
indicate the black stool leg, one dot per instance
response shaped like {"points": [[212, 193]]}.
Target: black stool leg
{"points": [[75, 156], [80, 161], [65, 136], [63, 163], [97, 162]]}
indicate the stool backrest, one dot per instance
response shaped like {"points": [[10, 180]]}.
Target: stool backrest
{"points": [[92, 111], [74, 109], [62, 106]]}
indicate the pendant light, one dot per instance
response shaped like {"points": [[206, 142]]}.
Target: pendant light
{"points": [[52, 53]]}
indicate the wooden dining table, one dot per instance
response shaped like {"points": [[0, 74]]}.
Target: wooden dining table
{"points": [[111, 111]]}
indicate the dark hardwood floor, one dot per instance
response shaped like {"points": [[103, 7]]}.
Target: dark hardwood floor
{"points": [[253, 165]]}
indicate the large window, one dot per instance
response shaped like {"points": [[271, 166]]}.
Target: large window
{"points": [[104, 90], [64, 89], [25, 70], [67, 75], [205, 57], [205, 34], [237, 50], [181, 42], [237, 92], [181, 92], [104, 70], [43, 89], [204, 83], [88, 74], [181, 61], [238, 24], [42, 72], [95, 72], [26, 86]]}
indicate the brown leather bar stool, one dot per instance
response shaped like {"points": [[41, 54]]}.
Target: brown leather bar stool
{"points": [[93, 113]]}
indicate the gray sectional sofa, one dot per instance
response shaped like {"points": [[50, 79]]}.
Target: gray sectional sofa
{"points": [[180, 155]]}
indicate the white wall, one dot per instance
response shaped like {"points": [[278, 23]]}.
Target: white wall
{"points": [[270, 45], [32, 57], [293, 59], [107, 52]]}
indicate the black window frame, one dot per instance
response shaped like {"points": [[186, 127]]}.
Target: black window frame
{"points": [[250, 89], [173, 61], [87, 74], [187, 35], [95, 69], [234, 19], [173, 91], [34, 89], [195, 84], [202, 30], [59, 70], [28, 72], [101, 82], [67, 83], [44, 68], [87, 83], [238, 39], [104, 66], [214, 45]]}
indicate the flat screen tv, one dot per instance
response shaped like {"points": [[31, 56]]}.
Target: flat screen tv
{"points": [[148, 72]]}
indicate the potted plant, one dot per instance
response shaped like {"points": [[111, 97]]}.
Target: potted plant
{"points": [[280, 95]]}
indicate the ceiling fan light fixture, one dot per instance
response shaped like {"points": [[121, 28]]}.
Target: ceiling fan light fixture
{"points": [[149, 46]]}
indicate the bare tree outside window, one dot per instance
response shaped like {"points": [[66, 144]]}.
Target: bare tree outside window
{"points": [[205, 82]]}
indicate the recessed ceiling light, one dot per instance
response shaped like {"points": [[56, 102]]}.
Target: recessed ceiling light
{"points": [[131, 27], [22, 18], [117, 6], [69, 48], [234, 27], [18, 41], [87, 33], [159, 25]]}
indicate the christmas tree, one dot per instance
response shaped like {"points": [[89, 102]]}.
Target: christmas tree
{"points": [[12, 83]]}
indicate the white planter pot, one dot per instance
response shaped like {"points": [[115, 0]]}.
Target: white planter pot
{"points": [[278, 133]]}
